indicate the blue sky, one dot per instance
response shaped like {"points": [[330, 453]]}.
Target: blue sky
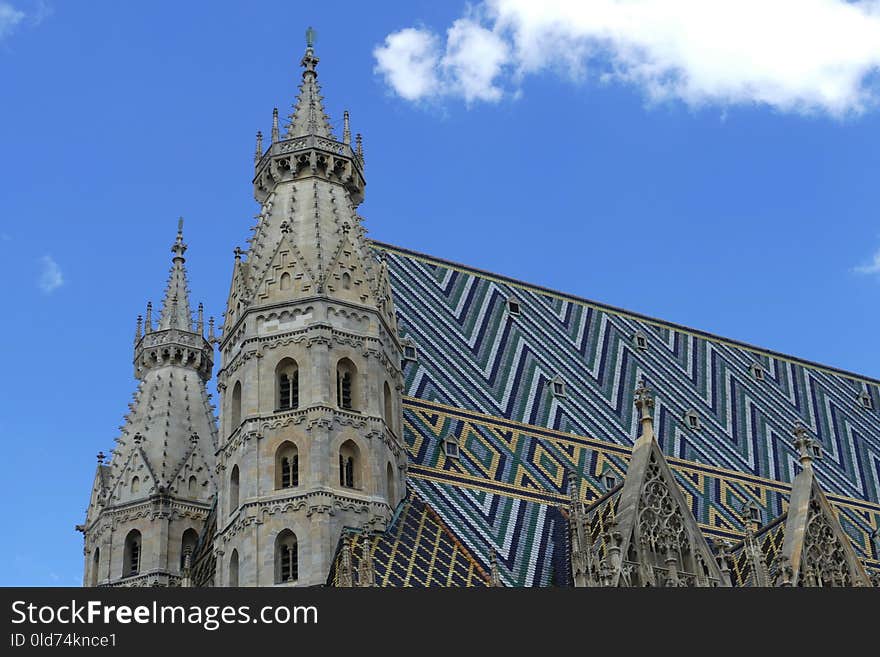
{"points": [[714, 169]]}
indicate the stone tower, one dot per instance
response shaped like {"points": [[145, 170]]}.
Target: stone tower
{"points": [[310, 438], [149, 504]]}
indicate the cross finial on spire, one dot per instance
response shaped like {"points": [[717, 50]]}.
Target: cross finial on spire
{"points": [[309, 61], [179, 248]]}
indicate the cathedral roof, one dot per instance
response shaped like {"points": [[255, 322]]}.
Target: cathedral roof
{"points": [[483, 374]]}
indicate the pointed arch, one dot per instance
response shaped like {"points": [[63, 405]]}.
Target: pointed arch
{"points": [[286, 557], [388, 402], [286, 466], [235, 408], [192, 486], [188, 544], [390, 483], [233, 568], [350, 475], [96, 566], [135, 485], [284, 282], [233, 489], [346, 385], [131, 554], [286, 385]]}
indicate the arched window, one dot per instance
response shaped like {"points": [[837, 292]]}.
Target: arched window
{"points": [[96, 566], [131, 555], [389, 483], [188, 548], [233, 490], [346, 281], [349, 465], [286, 557], [135, 484], [346, 388], [192, 486], [235, 415], [233, 568], [389, 405], [285, 281], [287, 466], [287, 385]]}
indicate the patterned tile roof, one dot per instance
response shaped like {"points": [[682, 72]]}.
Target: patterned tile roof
{"points": [[482, 375], [417, 550]]}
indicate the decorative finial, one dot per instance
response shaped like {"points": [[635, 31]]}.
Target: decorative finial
{"points": [[346, 128], [148, 321], [237, 253], [138, 438], [285, 227], [803, 443], [101, 457], [275, 137], [211, 337], [200, 320], [137, 335], [258, 151], [194, 438], [309, 61], [494, 579], [644, 401], [179, 248], [359, 140]]}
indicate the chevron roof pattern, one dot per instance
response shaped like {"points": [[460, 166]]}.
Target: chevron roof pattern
{"points": [[483, 375]]}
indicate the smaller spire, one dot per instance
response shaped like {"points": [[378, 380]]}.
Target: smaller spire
{"points": [[275, 133], [101, 457], [237, 252], [258, 151], [137, 334], [211, 337], [359, 140], [200, 321], [346, 128], [148, 322]]}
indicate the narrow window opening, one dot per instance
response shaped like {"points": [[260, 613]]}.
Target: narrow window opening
{"points": [[514, 308]]}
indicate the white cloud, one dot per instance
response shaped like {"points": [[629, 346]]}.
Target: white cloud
{"points": [[51, 277], [474, 58], [409, 60], [792, 55], [10, 17], [872, 268]]}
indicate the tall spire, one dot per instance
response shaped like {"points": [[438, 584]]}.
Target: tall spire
{"points": [[176, 312], [308, 116]]}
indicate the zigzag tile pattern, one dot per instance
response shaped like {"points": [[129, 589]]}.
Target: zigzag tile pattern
{"points": [[474, 354]]}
